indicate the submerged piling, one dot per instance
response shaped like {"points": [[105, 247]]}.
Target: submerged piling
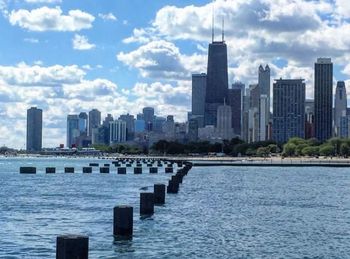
{"points": [[153, 170], [123, 221], [146, 203], [72, 246], [69, 170], [27, 170], [50, 170], [159, 194], [121, 170], [137, 170], [87, 170], [104, 170]]}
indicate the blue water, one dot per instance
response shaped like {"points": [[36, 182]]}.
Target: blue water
{"points": [[218, 213]]}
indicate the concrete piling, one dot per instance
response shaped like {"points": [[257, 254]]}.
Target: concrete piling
{"points": [[137, 170], [94, 164], [87, 170], [173, 187], [69, 170], [169, 170], [153, 170], [123, 221], [50, 170], [121, 170], [104, 170], [146, 203], [27, 170], [159, 194], [72, 246]]}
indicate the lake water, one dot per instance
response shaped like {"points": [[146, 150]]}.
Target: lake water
{"points": [[218, 213]]}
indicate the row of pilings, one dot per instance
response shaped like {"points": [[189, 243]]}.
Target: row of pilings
{"points": [[77, 246], [121, 165]]}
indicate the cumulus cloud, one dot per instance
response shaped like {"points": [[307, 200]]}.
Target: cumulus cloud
{"points": [[81, 42], [51, 19], [107, 17], [89, 90], [25, 75], [43, 1], [162, 59]]}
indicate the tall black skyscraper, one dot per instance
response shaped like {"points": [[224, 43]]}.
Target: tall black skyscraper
{"points": [[217, 80], [288, 109], [323, 98], [34, 129]]}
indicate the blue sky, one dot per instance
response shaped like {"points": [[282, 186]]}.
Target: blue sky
{"points": [[121, 55]]}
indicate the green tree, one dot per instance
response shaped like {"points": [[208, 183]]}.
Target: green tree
{"points": [[310, 151], [326, 150], [289, 149], [299, 148], [263, 151], [344, 149], [273, 148], [250, 152], [335, 142], [296, 141]]}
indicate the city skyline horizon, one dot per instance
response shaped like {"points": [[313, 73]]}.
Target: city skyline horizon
{"points": [[67, 84]]}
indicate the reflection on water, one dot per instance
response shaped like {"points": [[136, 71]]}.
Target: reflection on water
{"points": [[218, 213]]}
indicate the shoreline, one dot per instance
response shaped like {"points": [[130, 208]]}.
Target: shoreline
{"points": [[203, 161]]}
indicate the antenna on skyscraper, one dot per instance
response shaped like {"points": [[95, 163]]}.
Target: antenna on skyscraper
{"points": [[223, 29], [212, 23]]}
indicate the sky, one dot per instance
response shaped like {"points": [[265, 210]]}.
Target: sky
{"points": [[68, 56]]}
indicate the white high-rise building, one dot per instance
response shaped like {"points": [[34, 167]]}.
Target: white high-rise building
{"points": [[117, 131], [340, 105], [264, 116], [265, 97], [224, 122]]}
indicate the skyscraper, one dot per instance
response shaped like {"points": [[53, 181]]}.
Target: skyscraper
{"points": [[34, 129], [309, 118], [340, 105], [265, 97], [199, 82], [117, 131], [217, 81], [253, 117], [288, 109], [148, 116], [224, 123], [94, 120], [83, 123], [323, 98], [130, 125], [72, 130], [169, 127], [235, 100]]}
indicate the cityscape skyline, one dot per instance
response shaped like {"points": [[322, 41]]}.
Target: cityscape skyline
{"points": [[67, 84]]}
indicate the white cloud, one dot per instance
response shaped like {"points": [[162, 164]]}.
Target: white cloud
{"points": [[162, 60], [25, 75], [343, 8], [81, 42], [51, 19], [31, 40], [43, 1], [107, 17], [89, 90]]}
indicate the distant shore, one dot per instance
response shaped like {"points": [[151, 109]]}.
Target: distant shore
{"points": [[218, 161]]}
